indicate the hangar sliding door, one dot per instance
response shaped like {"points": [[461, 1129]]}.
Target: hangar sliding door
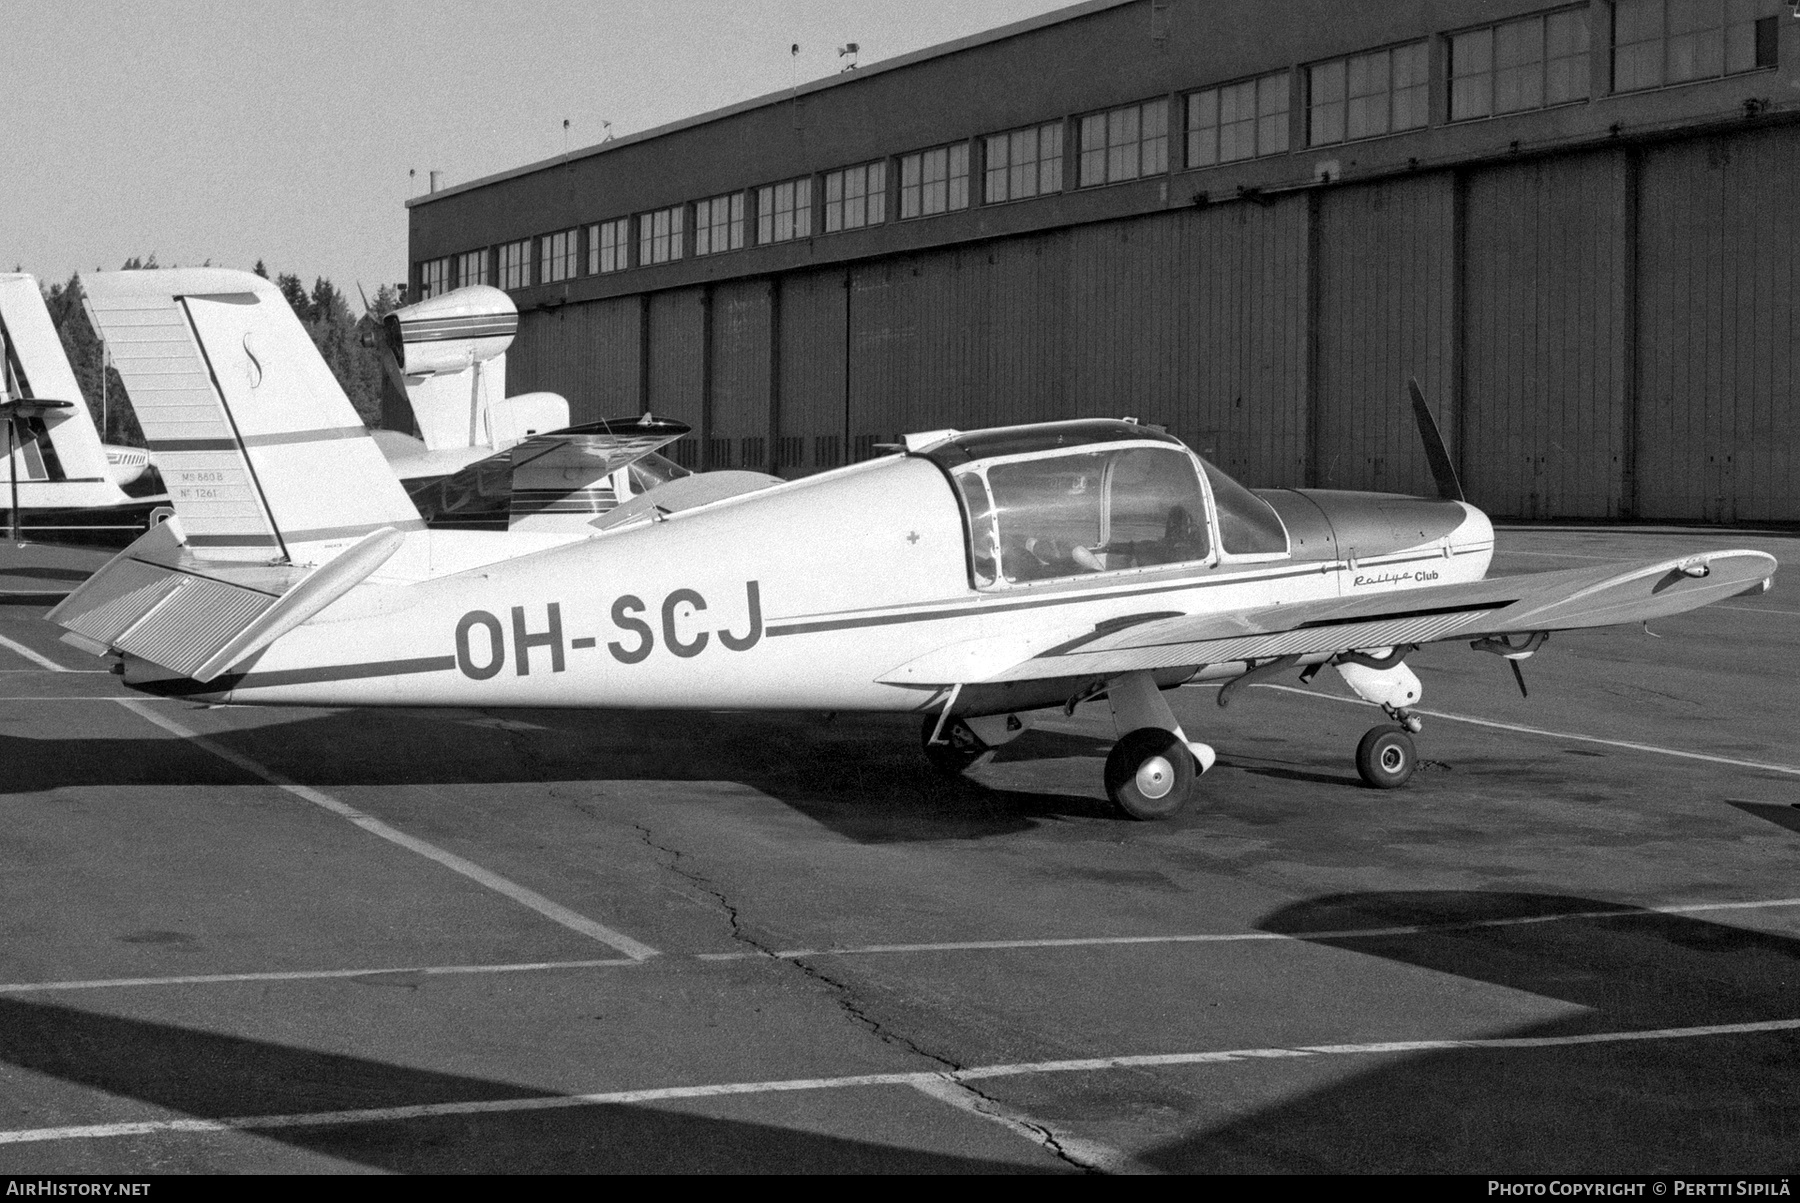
{"points": [[1548, 315], [1385, 304], [677, 365], [810, 345], [1122, 330], [587, 352], [1241, 315], [1012, 302], [738, 426], [1718, 430]]}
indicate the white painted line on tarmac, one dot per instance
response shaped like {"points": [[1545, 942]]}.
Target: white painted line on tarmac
{"points": [[1789, 769], [1422, 929], [317, 1119], [1088, 1154], [554, 911], [305, 975], [34, 657]]}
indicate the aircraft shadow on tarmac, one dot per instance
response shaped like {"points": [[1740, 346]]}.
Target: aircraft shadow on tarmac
{"points": [[208, 1075], [1714, 1104], [1709, 1104], [859, 775]]}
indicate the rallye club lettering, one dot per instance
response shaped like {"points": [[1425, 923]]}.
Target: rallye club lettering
{"points": [[480, 658]]}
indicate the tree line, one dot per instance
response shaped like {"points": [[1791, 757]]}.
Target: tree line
{"points": [[323, 310]]}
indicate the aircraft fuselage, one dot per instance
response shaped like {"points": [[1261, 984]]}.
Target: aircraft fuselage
{"points": [[811, 595]]}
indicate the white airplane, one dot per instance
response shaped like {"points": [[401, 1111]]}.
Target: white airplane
{"points": [[485, 461], [61, 481], [970, 579]]}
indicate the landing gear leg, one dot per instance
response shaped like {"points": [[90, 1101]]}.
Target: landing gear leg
{"points": [[1150, 772], [1387, 757], [957, 748]]}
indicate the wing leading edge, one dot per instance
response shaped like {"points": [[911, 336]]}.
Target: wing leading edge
{"points": [[1549, 601]]}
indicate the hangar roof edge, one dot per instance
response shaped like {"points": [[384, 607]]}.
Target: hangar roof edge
{"points": [[1028, 25]]}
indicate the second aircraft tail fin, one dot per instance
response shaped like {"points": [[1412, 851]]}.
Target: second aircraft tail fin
{"points": [[263, 455]]}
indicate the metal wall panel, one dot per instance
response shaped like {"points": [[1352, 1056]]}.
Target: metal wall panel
{"points": [[740, 374], [1386, 298], [1718, 433], [811, 341], [678, 365], [588, 353], [1240, 315], [1122, 332], [1546, 378]]}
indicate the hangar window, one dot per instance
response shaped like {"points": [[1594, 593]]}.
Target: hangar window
{"points": [[1238, 121], [1125, 144], [609, 246], [1529, 64], [1658, 42], [934, 181], [719, 224], [856, 197], [1060, 515], [434, 277], [472, 268], [515, 264], [1367, 95], [556, 256], [784, 211], [659, 236], [1024, 163]]}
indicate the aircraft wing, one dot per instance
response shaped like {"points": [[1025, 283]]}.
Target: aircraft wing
{"points": [[1546, 601]]}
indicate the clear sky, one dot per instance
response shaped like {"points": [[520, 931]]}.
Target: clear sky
{"points": [[200, 129]]}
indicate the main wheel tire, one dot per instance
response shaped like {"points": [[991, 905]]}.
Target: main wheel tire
{"points": [[1387, 758], [960, 750], [1150, 774]]}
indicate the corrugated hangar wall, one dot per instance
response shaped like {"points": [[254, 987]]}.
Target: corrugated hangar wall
{"points": [[1605, 334]]}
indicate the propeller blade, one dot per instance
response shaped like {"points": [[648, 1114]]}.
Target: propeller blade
{"points": [[1436, 452]]}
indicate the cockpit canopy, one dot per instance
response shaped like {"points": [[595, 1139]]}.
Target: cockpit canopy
{"points": [[1100, 497]]}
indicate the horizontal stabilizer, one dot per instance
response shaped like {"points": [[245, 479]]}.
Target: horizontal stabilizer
{"points": [[154, 601], [319, 589]]}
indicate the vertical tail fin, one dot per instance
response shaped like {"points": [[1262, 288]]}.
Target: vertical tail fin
{"points": [[263, 456], [60, 448]]}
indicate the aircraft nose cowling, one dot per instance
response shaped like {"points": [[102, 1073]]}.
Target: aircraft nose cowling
{"points": [[1374, 524]]}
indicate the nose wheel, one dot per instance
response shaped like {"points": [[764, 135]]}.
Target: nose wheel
{"points": [[1387, 757], [1150, 774]]}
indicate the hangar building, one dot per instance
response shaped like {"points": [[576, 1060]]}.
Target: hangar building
{"points": [[1249, 221]]}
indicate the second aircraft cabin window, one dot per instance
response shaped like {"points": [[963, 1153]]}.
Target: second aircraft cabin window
{"points": [[1061, 516]]}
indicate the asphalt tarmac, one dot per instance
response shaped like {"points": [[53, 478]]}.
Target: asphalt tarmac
{"points": [[330, 941]]}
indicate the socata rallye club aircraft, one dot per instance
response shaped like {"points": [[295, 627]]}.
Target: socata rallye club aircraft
{"points": [[970, 579]]}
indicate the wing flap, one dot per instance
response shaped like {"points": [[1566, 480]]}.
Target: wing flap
{"points": [[1581, 597]]}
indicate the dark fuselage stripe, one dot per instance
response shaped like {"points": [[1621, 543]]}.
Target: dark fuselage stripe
{"points": [[281, 439], [1062, 599], [184, 687]]}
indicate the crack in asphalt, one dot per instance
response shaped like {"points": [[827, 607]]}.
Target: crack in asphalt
{"points": [[846, 999]]}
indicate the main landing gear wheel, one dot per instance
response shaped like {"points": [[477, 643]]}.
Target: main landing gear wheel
{"points": [[1386, 757], [960, 750], [1150, 773]]}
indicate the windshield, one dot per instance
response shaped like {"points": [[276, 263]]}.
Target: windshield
{"points": [[1067, 515], [1248, 525]]}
